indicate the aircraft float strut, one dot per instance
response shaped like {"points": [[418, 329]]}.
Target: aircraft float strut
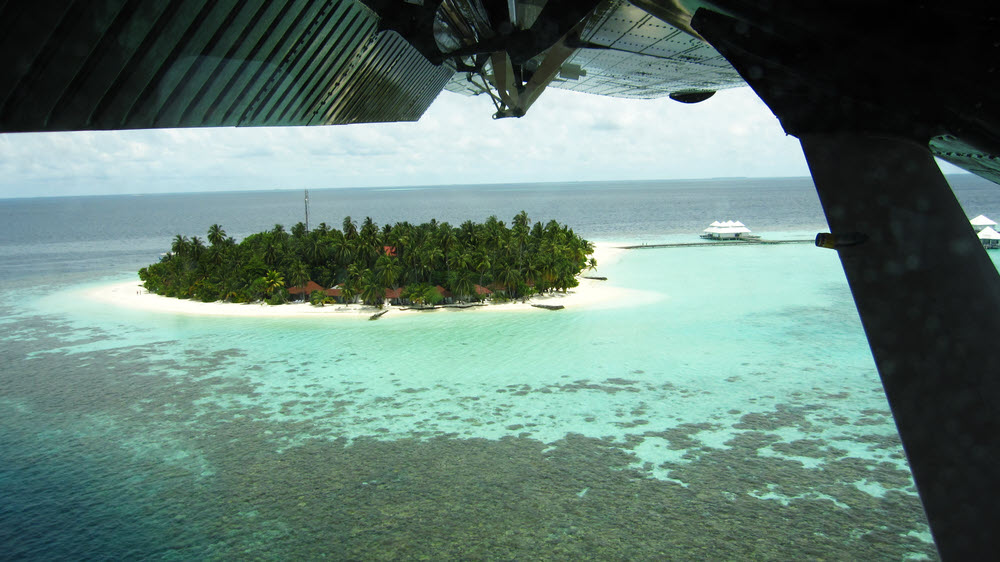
{"points": [[922, 282]]}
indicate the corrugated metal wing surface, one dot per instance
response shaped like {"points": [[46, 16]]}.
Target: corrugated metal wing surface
{"points": [[128, 64], [379, 81], [644, 58]]}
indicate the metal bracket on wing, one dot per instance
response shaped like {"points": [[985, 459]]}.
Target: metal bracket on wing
{"points": [[515, 64], [505, 83], [477, 69], [515, 95]]}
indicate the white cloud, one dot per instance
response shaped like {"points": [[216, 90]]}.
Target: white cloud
{"points": [[566, 136]]}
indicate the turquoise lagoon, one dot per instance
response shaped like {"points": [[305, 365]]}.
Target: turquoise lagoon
{"points": [[733, 411]]}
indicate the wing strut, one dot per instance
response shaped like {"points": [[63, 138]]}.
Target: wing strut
{"points": [[927, 293]]}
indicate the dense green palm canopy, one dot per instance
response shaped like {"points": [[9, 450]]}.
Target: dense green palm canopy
{"points": [[514, 262]]}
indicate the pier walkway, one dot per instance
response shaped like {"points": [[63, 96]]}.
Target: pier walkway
{"points": [[717, 243]]}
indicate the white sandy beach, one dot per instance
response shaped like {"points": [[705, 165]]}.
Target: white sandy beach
{"points": [[591, 293]]}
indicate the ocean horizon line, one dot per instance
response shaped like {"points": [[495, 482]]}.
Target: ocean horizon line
{"points": [[457, 185]]}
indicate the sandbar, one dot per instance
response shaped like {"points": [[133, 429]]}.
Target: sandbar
{"points": [[591, 293]]}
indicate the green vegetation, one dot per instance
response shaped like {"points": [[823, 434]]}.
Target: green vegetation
{"points": [[403, 262]]}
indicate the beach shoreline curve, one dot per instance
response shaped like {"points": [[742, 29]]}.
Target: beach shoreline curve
{"points": [[591, 293]]}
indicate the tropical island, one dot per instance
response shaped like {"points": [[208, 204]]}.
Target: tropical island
{"points": [[403, 264]]}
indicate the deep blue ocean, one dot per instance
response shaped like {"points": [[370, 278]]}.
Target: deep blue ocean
{"points": [[732, 411], [104, 234]]}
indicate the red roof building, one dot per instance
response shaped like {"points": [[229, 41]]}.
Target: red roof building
{"points": [[308, 289]]}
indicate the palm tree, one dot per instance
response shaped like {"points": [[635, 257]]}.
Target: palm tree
{"points": [[372, 292], [448, 237], [533, 274], [216, 255], [273, 282], [483, 265], [422, 294], [316, 250], [387, 270], [519, 233], [467, 233], [459, 260], [341, 248], [368, 248], [316, 298], [354, 271], [368, 229], [493, 229], [350, 228], [299, 276], [196, 248], [216, 235], [434, 256], [461, 284], [348, 292], [432, 296], [424, 266], [179, 246], [546, 271], [537, 231], [271, 252], [521, 220], [509, 277]]}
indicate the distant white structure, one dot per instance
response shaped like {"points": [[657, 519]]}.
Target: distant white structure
{"points": [[981, 222], [728, 230], [990, 238]]}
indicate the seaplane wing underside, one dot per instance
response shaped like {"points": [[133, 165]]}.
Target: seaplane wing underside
{"points": [[121, 64]]}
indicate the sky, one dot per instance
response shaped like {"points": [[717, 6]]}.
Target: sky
{"points": [[566, 136]]}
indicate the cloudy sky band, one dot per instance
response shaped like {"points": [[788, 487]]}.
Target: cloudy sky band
{"points": [[567, 136]]}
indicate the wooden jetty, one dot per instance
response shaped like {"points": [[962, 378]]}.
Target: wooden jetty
{"points": [[716, 243]]}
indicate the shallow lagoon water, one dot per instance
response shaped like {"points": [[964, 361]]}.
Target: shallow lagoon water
{"points": [[734, 413]]}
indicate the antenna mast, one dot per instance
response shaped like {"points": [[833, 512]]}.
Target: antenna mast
{"points": [[307, 210]]}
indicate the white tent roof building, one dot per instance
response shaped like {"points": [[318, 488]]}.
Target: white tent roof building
{"points": [[989, 234], [989, 237], [981, 222], [725, 230]]}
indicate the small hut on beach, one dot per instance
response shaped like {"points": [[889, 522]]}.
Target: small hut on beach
{"points": [[394, 296], [336, 293], [305, 290], [446, 296]]}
